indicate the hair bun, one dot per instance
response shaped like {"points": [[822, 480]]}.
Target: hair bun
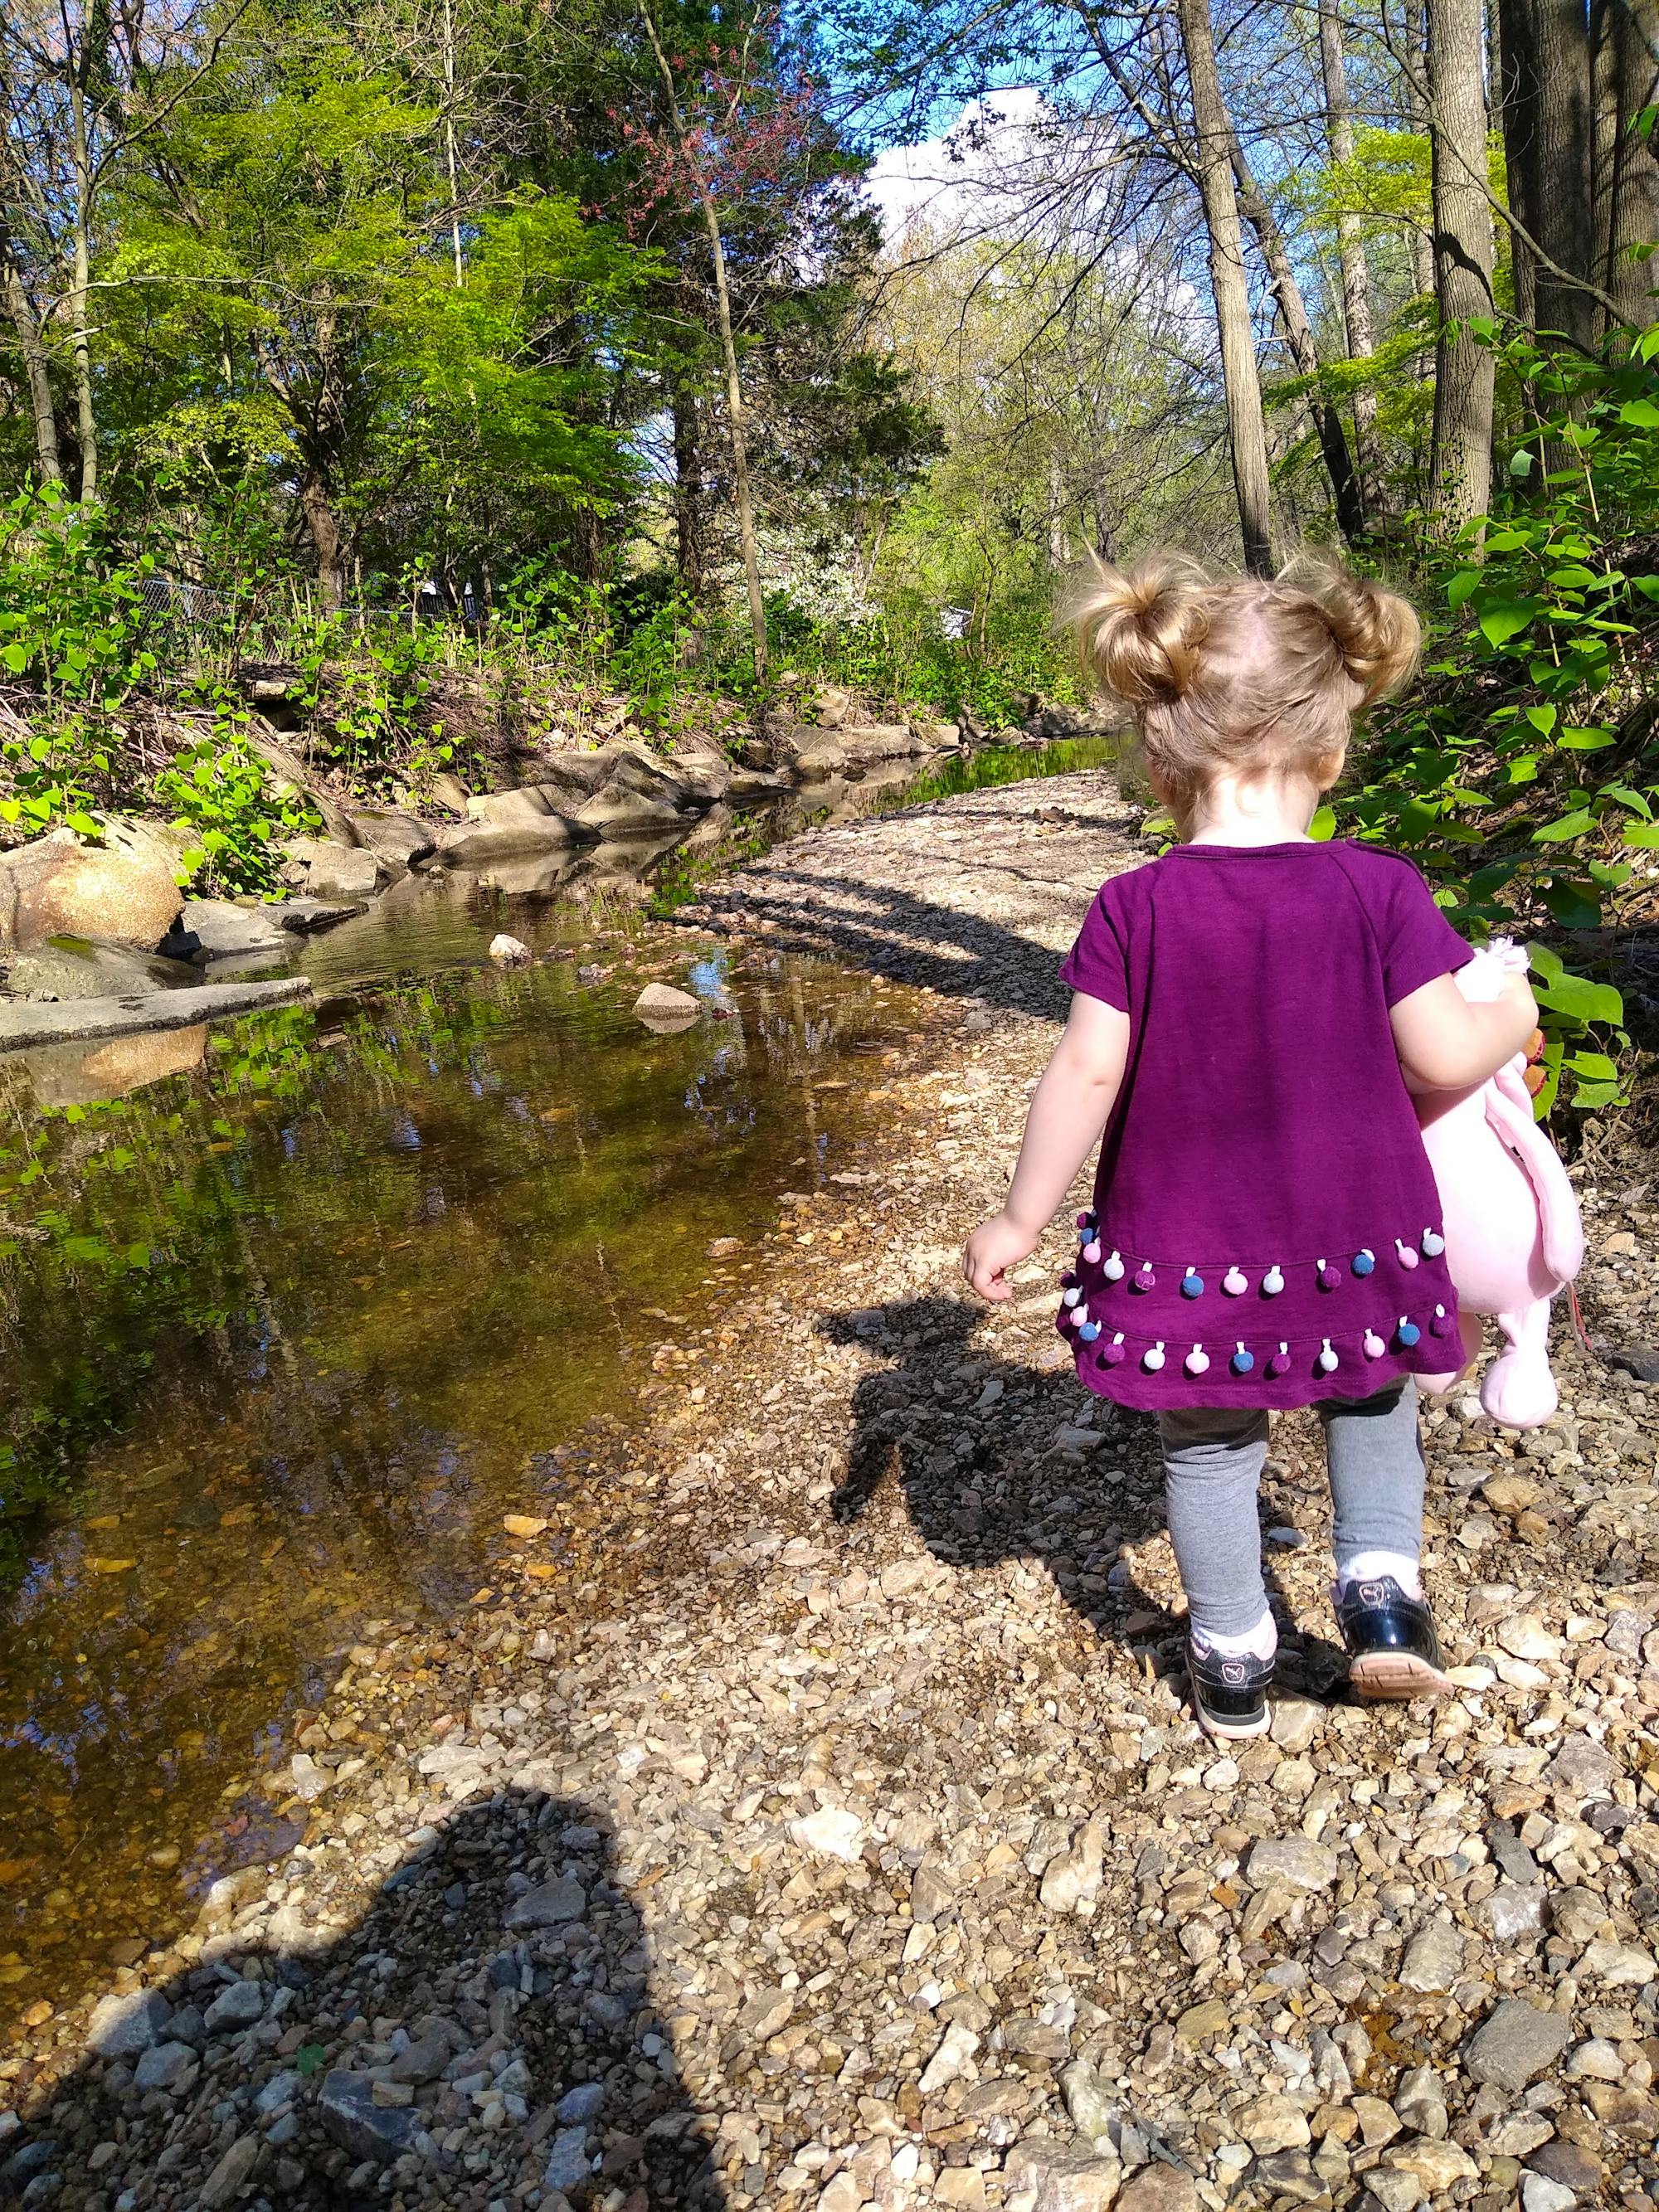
{"points": [[1138, 628], [1376, 632]]}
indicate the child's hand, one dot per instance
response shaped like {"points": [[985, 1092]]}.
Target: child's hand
{"points": [[994, 1247]]}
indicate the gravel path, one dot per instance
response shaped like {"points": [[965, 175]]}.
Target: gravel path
{"points": [[826, 1829]]}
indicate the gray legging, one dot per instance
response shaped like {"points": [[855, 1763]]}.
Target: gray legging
{"points": [[1213, 1461]]}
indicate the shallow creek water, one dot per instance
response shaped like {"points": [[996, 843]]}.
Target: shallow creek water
{"points": [[281, 1328]]}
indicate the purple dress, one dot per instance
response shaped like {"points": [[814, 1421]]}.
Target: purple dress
{"points": [[1266, 1228]]}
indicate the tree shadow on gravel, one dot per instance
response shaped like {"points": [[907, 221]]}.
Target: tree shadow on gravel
{"points": [[499, 1983], [911, 940], [1009, 1490]]}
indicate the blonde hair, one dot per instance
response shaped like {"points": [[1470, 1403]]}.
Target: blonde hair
{"points": [[1236, 675]]}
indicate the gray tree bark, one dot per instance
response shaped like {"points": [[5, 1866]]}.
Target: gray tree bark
{"points": [[1241, 380], [1460, 463], [1351, 252]]}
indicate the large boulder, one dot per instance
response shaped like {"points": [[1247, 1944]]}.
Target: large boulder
{"points": [[875, 741], [398, 839], [57, 887], [824, 756], [221, 929], [335, 872], [93, 968], [702, 770], [520, 834]]}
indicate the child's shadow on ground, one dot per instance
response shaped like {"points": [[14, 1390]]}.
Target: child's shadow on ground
{"points": [[972, 1442]]}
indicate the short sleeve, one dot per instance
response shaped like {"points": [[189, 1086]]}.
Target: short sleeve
{"points": [[1416, 940], [1098, 964]]}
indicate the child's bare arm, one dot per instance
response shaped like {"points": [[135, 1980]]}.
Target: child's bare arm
{"points": [[1448, 1044], [1069, 1109]]}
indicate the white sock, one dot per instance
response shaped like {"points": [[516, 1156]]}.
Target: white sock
{"points": [[1260, 1642], [1372, 1566]]}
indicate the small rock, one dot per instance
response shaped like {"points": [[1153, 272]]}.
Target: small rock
{"points": [[1514, 2045], [238, 2006], [1072, 1878], [955, 2049], [1160, 2188], [1539, 2194], [1523, 1636], [228, 2176], [167, 2066], [931, 1894], [585, 2102], [1434, 1960], [346, 2106], [121, 2026], [550, 1904], [1088, 2099], [1421, 2102], [1291, 1862], [834, 1832], [1571, 2164], [661, 1007], [766, 2014], [509, 952], [1511, 1911], [1436, 2164], [1378, 2121], [1617, 1965], [567, 2166], [1270, 2123]]}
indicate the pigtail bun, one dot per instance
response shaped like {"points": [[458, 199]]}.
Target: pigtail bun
{"points": [[1376, 632], [1138, 629]]}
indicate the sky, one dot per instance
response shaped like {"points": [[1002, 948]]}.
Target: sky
{"points": [[956, 178]]}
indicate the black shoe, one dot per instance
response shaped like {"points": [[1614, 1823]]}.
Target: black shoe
{"points": [[1230, 1691], [1393, 1649]]}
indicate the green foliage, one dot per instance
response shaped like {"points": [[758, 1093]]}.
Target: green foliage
{"points": [[1524, 773], [220, 791], [370, 695]]}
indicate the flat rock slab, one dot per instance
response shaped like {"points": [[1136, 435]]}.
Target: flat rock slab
{"points": [[24, 1023]]}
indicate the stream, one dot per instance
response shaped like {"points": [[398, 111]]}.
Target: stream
{"points": [[287, 1310]]}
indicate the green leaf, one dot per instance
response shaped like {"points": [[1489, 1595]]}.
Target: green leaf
{"points": [[1640, 414], [1594, 1064], [1575, 905], [1460, 586], [1581, 1001], [1587, 741], [1323, 825], [1564, 826], [309, 2056], [1645, 834], [1507, 618], [1543, 719], [1547, 963], [1634, 799]]}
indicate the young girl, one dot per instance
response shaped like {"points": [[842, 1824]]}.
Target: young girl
{"points": [[1266, 1231]]}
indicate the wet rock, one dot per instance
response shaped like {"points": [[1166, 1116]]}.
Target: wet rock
{"points": [[1515, 2043], [367, 2130], [398, 838], [217, 929], [309, 917], [92, 967], [509, 952], [661, 1007]]}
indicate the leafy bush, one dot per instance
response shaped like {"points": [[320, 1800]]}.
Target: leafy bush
{"points": [[1524, 771], [219, 792]]}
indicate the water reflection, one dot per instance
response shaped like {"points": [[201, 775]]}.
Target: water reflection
{"points": [[283, 1330]]}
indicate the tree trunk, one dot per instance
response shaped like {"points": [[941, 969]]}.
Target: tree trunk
{"points": [[1625, 177], [19, 313], [327, 540], [690, 551], [1304, 350], [1460, 462], [734, 410], [1351, 252], [1417, 112], [80, 296], [1547, 118], [1246, 429]]}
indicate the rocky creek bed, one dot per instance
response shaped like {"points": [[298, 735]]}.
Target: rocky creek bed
{"points": [[820, 1824]]}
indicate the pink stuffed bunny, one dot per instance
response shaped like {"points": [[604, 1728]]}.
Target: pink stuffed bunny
{"points": [[1514, 1237]]}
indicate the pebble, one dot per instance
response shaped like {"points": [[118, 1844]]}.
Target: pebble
{"points": [[1515, 2043]]}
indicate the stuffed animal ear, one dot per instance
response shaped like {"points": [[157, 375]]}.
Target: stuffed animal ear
{"points": [[1509, 1115]]}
